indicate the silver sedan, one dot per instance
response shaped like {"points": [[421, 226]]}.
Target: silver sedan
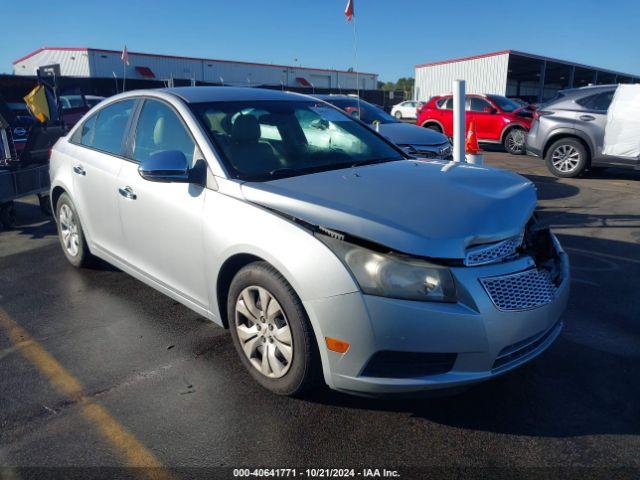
{"points": [[330, 255]]}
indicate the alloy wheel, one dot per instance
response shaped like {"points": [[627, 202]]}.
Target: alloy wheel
{"points": [[565, 158], [515, 141], [69, 230], [263, 331]]}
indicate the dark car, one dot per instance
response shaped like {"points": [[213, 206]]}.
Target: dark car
{"points": [[416, 141]]}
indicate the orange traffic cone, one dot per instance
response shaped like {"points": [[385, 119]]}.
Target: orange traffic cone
{"points": [[471, 143]]}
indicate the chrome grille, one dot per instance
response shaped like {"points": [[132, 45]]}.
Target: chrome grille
{"points": [[520, 291], [494, 252]]}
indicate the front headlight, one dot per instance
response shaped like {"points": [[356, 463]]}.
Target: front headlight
{"points": [[393, 276]]}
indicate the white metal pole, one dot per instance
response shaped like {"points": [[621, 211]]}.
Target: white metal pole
{"points": [[458, 121]]}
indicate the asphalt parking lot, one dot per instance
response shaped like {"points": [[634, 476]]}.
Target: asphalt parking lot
{"points": [[96, 369]]}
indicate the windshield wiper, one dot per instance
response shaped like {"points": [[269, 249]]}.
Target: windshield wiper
{"points": [[373, 161], [286, 171]]}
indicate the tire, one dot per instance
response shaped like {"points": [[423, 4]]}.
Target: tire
{"points": [[433, 126], [284, 374], [398, 115], [514, 141], [45, 205], [72, 240], [567, 158], [7, 215]]}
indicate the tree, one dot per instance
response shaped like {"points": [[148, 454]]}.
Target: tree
{"points": [[405, 84]]}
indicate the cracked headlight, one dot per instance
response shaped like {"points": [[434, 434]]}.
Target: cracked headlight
{"points": [[394, 276]]}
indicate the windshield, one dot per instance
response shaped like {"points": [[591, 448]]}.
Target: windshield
{"points": [[505, 104], [263, 140], [368, 113]]}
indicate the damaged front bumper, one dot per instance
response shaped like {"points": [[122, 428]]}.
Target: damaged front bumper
{"points": [[401, 346]]}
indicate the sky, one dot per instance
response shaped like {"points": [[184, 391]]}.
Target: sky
{"points": [[392, 36]]}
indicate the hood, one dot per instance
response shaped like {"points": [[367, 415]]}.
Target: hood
{"points": [[408, 134], [426, 208]]}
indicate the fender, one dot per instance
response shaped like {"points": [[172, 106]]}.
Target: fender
{"points": [[431, 120], [567, 131]]}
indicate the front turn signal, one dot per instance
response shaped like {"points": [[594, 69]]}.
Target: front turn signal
{"points": [[336, 345]]}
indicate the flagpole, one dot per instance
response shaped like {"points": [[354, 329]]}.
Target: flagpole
{"points": [[355, 56], [124, 74]]}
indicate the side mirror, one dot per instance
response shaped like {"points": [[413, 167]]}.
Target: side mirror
{"points": [[165, 166], [489, 110]]}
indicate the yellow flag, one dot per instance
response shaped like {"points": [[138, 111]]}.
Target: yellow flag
{"points": [[36, 100]]}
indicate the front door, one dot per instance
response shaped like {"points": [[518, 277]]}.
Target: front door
{"points": [[162, 222], [484, 115], [593, 121]]}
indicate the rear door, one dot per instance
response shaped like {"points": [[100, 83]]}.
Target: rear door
{"points": [[98, 157], [162, 222], [444, 114]]}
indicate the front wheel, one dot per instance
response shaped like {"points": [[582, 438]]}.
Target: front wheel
{"points": [[567, 158], [398, 115], [514, 142], [271, 331]]}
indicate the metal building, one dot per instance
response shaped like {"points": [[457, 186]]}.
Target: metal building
{"points": [[99, 63], [533, 78]]}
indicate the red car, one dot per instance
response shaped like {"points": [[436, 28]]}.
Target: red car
{"points": [[498, 119]]}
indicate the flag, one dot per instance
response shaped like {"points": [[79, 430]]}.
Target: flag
{"points": [[38, 104], [349, 11], [125, 55]]}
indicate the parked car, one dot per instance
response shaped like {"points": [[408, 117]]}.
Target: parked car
{"points": [[415, 141], [406, 109], [73, 108], [498, 119], [346, 262], [568, 132]]}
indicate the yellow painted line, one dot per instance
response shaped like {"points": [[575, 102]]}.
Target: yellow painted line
{"points": [[123, 442]]}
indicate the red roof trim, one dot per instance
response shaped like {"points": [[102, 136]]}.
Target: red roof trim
{"points": [[464, 59], [145, 72], [100, 50], [528, 55]]}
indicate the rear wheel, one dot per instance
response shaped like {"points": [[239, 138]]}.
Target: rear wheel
{"points": [[271, 331], [514, 141], [433, 126], [567, 158], [70, 233], [398, 114]]}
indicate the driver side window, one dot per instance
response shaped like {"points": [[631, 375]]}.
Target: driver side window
{"points": [[159, 129]]}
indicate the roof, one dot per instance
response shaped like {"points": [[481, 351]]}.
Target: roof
{"points": [[527, 55], [230, 94], [100, 50]]}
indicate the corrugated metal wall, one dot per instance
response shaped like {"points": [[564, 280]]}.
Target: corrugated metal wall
{"points": [[74, 63], [105, 64], [482, 75]]}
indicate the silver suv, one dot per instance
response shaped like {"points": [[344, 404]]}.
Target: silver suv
{"points": [[568, 131]]}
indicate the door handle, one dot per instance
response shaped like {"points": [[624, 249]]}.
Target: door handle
{"points": [[587, 118], [79, 170], [127, 192]]}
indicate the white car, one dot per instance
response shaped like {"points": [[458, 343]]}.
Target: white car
{"points": [[342, 261], [405, 109]]}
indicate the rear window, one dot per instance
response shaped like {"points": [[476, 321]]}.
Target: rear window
{"points": [[599, 101], [445, 103]]}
